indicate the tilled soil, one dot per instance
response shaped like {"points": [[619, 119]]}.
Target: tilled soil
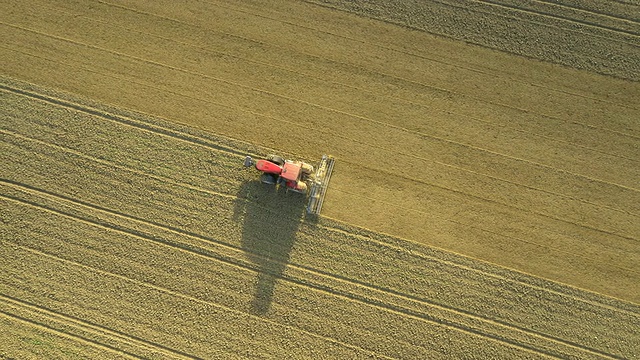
{"points": [[129, 235], [521, 163], [135, 237]]}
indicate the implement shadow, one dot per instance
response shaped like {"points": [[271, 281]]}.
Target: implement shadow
{"points": [[270, 219]]}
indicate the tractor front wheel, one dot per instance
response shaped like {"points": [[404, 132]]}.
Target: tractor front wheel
{"points": [[276, 159]]}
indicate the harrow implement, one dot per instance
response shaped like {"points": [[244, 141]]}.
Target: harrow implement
{"points": [[296, 176], [319, 185]]}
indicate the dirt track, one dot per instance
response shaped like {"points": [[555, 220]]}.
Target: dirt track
{"points": [[520, 163]]}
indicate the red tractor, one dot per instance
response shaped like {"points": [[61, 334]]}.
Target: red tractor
{"points": [[297, 176]]}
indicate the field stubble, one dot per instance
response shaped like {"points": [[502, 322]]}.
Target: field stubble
{"points": [[517, 162], [105, 235], [495, 149]]}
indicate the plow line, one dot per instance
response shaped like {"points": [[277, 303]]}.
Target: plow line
{"points": [[77, 329], [347, 289]]}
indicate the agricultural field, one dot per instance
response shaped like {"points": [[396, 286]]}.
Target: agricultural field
{"points": [[484, 204]]}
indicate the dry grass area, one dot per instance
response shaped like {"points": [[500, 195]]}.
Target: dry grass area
{"points": [[483, 205]]}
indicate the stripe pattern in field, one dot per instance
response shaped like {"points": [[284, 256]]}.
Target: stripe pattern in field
{"points": [[127, 235], [521, 163], [597, 35]]}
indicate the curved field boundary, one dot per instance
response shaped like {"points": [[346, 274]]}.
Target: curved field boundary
{"points": [[483, 69], [479, 69]]}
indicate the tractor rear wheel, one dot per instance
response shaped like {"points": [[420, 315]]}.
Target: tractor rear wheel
{"points": [[269, 179], [276, 159]]}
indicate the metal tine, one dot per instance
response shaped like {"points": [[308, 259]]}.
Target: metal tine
{"points": [[320, 185]]}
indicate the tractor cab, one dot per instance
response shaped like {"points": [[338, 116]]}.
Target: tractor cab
{"points": [[291, 175], [291, 171], [297, 176]]}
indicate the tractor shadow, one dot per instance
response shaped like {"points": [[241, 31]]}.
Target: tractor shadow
{"points": [[270, 220]]}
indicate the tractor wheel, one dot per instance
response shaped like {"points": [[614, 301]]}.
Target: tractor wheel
{"points": [[269, 179], [276, 159]]}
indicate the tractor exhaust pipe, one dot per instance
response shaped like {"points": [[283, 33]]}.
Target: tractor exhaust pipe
{"points": [[248, 161]]}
